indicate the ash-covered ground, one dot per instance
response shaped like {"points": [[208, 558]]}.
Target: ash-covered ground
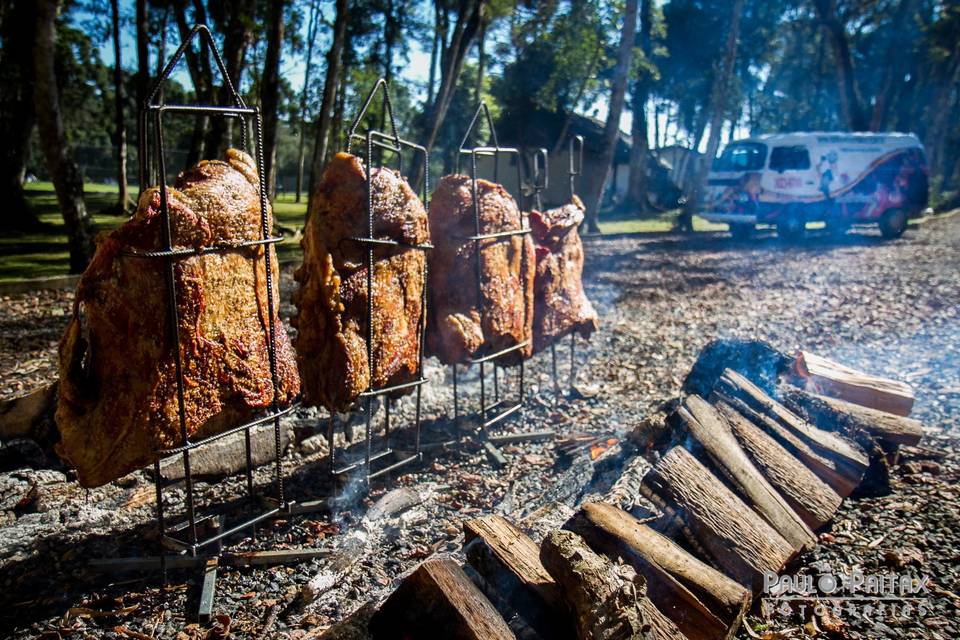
{"points": [[890, 308]]}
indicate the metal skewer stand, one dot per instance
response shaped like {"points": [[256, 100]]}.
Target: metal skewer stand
{"points": [[499, 410], [198, 539], [381, 143], [574, 169]]}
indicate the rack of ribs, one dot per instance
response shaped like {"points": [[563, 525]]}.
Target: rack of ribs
{"points": [[331, 300], [118, 405], [561, 307], [464, 324]]}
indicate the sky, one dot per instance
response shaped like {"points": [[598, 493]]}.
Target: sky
{"points": [[416, 70]]}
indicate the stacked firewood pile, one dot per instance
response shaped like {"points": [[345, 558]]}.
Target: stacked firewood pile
{"points": [[731, 482]]}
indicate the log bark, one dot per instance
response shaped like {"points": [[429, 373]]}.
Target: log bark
{"points": [[626, 490], [709, 435], [849, 418], [812, 499], [607, 600], [738, 540], [700, 600], [509, 562], [439, 597], [822, 375], [836, 460]]}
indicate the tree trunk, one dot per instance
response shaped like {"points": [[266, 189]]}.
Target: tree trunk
{"points": [[481, 60], [236, 39], [640, 152], [199, 68], [718, 110], [851, 105], [469, 16], [434, 52], [270, 93], [571, 108], [67, 180], [611, 131], [123, 198], [809, 496], [313, 26], [330, 84], [16, 113]]}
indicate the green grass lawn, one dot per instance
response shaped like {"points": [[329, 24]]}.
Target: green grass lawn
{"points": [[44, 253]]}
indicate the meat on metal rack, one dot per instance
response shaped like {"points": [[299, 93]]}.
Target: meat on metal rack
{"points": [[198, 539], [377, 143], [500, 409]]}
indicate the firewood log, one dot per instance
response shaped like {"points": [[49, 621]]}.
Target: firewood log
{"points": [[738, 540], [509, 561], [708, 435], [809, 496], [607, 599], [438, 597], [839, 462], [702, 602], [822, 375], [849, 418]]}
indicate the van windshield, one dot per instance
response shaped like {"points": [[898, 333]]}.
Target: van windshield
{"points": [[741, 156]]}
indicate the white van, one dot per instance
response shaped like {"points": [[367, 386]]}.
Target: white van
{"points": [[843, 179]]}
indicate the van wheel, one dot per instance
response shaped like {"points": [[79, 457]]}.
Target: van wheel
{"points": [[793, 225], [893, 223], [741, 231]]}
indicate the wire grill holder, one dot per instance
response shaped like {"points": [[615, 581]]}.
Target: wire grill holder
{"points": [[201, 537], [499, 410], [574, 169], [393, 144]]}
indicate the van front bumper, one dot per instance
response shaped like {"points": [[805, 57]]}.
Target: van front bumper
{"points": [[729, 218]]}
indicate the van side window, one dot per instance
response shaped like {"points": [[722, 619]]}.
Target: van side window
{"points": [[796, 158]]}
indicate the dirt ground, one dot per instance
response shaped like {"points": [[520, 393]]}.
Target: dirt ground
{"points": [[890, 308]]}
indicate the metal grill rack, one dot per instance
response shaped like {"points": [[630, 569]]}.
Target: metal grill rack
{"points": [[381, 143], [500, 409], [574, 169], [198, 539]]}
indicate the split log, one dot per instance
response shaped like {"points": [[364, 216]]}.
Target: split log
{"points": [[626, 490], [824, 376], [702, 602], [709, 435], [809, 496], [839, 462], [509, 561], [738, 540], [607, 600], [851, 418], [438, 597]]}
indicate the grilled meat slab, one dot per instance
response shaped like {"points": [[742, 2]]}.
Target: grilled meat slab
{"points": [[561, 307], [332, 296], [118, 384], [456, 330]]}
